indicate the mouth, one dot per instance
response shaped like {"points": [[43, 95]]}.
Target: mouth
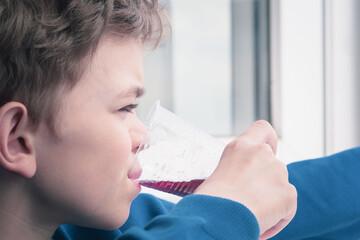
{"points": [[134, 174]]}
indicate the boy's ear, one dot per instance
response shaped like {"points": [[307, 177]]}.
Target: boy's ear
{"points": [[17, 151]]}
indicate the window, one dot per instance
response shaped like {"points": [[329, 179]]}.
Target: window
{"points": [[293, 63], [214, 71], [316, 59]]}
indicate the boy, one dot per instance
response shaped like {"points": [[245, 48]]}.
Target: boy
{"points": [[70, 74]]}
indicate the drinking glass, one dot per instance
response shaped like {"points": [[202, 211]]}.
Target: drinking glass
{"points": [[176, 157]]}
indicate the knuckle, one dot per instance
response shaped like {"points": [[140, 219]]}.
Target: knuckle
{"points": [[233, 144], [293, 191], [266, 126], [283, 168], [264, 148], [280, 175], [292, 198], [262, 123], [238, 143], [290, 193]]}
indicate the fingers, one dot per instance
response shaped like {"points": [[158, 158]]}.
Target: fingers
{"points": [[274, 230], [262, 132], [292, 193], [250, 174]]}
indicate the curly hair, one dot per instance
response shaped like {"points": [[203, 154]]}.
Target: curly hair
{"points": [[44, 45]]}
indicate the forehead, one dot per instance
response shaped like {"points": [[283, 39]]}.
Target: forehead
{"points": [[115, 68], [117, 61]]}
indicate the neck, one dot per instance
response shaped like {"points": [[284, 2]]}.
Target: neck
{"points": [[15, 227], [20, 216]]}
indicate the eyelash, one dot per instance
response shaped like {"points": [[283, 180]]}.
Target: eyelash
{"points": [[129, 108]]}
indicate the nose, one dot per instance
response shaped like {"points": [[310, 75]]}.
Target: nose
{"points": [[138, 133]]}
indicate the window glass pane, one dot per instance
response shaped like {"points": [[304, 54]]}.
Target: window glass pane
{"points": [[208, 71]]}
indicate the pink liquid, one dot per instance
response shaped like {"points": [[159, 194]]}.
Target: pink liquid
{"points": [[176, 188]]}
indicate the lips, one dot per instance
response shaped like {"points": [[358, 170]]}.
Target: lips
{"points": [[135, 169], [134, 173]]}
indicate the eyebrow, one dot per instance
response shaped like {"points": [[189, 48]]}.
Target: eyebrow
{"points": [[132, 92]]}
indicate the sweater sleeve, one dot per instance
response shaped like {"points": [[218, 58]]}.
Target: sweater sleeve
{"points": [[194, 217], [328, 198]]}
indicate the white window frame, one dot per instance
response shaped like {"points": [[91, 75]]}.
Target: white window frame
{"points": [[314, 77]]}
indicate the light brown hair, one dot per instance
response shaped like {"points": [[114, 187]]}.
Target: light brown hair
{"points": [[45, 43]]}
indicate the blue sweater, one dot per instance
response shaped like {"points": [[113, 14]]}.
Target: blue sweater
{"points": [[328, 198], [328, 208]]}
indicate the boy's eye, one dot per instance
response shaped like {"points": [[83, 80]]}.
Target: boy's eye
{"points": [[129, 108]]}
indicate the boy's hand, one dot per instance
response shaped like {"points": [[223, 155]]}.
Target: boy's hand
{"points": [[249, 173]]}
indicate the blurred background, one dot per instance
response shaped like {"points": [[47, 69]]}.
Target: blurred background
{"points": [[294, 63]]}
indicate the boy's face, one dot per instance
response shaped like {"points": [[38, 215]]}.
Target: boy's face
{"points": [[86, 174]]}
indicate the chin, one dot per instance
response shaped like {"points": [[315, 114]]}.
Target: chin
{"points": [[112, 225], [111, 220], [116, 220], [108, 224]]}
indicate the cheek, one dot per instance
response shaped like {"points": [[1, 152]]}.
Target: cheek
{"points": [[107, 156], [86, 170], [117, 151]]}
